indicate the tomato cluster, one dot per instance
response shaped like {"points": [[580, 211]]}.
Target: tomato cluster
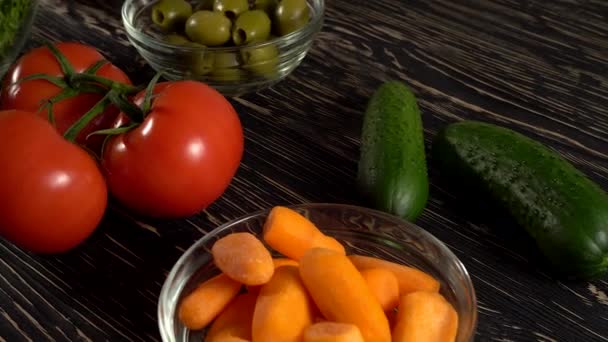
{"points": [[76, 132]]}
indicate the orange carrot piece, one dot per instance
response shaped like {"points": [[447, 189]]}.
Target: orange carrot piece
{"points": [[341, 293], [292, 234], [288, 232], [318, 319], [254, 289], [410, 279], [283, 309], [244, 258], [392, 318], [383, 285], [203, 304], [324, 241], [332, 332], [234, 321], [284, 261], [425, 316], [229, 339], [278, 262]]}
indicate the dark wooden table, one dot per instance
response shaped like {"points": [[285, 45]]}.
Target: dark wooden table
{"points": [[540, 67]]}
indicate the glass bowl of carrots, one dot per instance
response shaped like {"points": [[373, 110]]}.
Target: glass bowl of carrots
{"points": [[318, 272]]}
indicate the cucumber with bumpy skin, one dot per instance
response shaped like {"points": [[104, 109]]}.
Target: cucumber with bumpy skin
{"points": [[564, 212], [392, 172]]}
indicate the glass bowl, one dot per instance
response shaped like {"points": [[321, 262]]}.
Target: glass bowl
{"points": [[361, 230], [233, 76], [15, 31]]}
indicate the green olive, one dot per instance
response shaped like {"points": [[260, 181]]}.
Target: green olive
{"points": [[177, 39], [204, 5], [226, 67], [290, 15], [251, 26], [171, 14], [231, 8], [208, 28], [261, 61], [196, 63], [226, 60], [201, 64], [227, 74], [267, 6]]}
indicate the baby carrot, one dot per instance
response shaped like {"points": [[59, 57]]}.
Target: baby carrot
{"points": [[244, 258], [391, 315], [203, 304], [283, 309], [318, 318], [410, 279], [383, 285], [284, 261], [341, 293], [234, 321], [230, 339], [425, 316], [292, 234], [277, 263], [324, 241], [332, 332]]}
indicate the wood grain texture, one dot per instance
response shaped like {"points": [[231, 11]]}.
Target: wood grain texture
{"points": [[540, 67]]}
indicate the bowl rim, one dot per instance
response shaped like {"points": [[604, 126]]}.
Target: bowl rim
{"points": [[313, 26], [164, 325]]}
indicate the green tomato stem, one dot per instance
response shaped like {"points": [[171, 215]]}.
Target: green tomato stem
{"points": [[50, 114], [65, 93], [135, 114], [65, 65], [77, 80], [58, 81], [109, 132], [149, 91], [114, 131], [84, 120], [92, 70]]}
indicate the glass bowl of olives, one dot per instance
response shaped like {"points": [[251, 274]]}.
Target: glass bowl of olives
{"points": [[235, 46]]}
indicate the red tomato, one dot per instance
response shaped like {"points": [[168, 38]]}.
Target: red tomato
{"points": [[181, 158], [53, 194], [29, 95]]}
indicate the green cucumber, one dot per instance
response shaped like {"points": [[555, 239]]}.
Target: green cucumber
{"points": [[392, 172], [564, 212]]}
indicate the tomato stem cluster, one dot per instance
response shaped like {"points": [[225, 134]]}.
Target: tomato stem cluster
{"points": [[114, 93]]}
